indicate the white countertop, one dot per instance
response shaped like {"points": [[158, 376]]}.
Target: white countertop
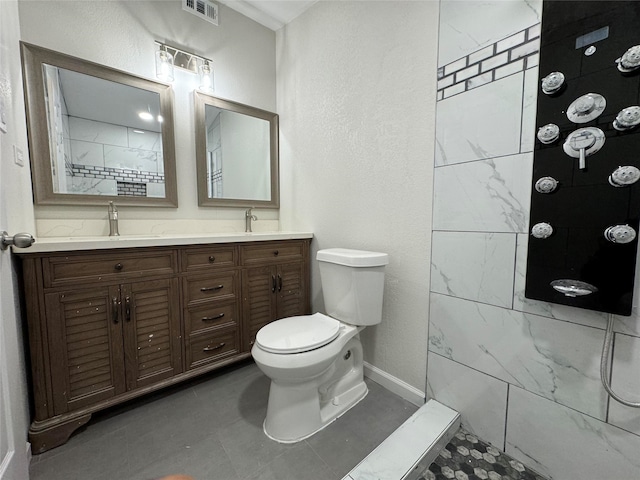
{"points": [[65, 244]]}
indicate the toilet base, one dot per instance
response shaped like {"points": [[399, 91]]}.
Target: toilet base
{"points": [[330, 413], [298, 410]]}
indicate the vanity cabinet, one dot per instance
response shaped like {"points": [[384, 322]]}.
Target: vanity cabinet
{"points": [[275, 284], [106, 326]]}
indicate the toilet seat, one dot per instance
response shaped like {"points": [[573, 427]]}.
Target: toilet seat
{"points": [[298, 334]]}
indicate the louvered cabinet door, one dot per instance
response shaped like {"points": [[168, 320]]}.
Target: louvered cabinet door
{"points": [[151, 324], [259, 301], [291, 290], [85, 347]]}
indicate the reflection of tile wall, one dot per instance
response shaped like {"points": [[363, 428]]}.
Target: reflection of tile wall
{"points": [[130, 157], [523, 374]]}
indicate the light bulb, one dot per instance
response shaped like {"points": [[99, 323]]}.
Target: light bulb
{"points": [[164, 66], [206, 77]]}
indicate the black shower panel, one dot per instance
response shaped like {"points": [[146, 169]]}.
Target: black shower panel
{"points": [[585, 198]]}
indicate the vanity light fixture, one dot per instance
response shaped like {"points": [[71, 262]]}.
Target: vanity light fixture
{"points": [[187, 61], [164, 65]]}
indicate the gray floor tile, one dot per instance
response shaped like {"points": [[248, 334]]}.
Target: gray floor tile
{"points": [[211, 429], [298, 463]]}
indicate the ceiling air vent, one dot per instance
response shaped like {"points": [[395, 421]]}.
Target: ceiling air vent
{"points": [[203, 9]]}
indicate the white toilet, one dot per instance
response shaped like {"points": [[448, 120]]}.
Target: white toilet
{"points": [[315, 361]]}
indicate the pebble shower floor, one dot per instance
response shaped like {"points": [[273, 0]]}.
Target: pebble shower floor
{"points": [[467, 458]]}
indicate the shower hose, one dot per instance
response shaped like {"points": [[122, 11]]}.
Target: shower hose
{"points": [[604, 365]]}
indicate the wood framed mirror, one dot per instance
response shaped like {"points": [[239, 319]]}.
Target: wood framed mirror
{"points": [[236, 154], [97, 134]]}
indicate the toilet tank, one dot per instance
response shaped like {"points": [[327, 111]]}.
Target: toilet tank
{"points": [[352, 284]]}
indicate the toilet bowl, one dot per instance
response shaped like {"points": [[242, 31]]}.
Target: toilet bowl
{"points": [[315, 362]]}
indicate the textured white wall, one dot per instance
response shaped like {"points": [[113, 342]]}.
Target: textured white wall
{"points": [[121, 34], [356, 98]]}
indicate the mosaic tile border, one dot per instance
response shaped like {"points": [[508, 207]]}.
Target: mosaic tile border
{"points": [[118, 174], [466, 457], [505, 57]]}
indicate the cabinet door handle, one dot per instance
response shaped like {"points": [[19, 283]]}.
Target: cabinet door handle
{"points": [[213, 349], [118, 266], [114, 309], [279, 282], [273, 283], [207, 319], [209, 289], [127, 308]]}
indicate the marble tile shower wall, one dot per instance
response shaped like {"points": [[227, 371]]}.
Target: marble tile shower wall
{"points": [[524, 374], [113, 159]]}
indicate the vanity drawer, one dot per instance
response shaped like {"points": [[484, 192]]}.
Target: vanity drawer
{"points": [[211, 347], [211, 315], [63, 269], [209, 258], [218, 286], [270, 252]]}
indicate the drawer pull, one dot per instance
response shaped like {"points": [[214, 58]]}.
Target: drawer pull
{"points": [[209, 289], [212, 259], [276, 252], [127, 308], [114, 309], [118, 266], [208, 319], [213, 349]]}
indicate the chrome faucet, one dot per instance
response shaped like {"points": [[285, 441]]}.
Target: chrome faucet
{"points": [[247, 219], [113, 220]]}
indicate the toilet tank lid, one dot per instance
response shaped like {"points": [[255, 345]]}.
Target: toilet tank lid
{"points": [[352, 258]]}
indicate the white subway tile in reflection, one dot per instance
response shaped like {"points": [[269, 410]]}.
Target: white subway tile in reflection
{"points": [[131, 159], [97, 132], [87, 153]]}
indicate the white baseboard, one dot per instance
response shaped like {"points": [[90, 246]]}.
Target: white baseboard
{"points": [[395, 385]]}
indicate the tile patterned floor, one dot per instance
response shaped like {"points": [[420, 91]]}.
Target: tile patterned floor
{"points": [[468, 458]]}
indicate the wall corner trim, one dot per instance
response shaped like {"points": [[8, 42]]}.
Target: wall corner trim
{"points": [[395, 385]]}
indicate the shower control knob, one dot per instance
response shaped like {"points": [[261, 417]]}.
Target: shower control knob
{"points": [[624, 176], [573, 288], [586, 108], [630, 61], [546, 185], [627, 118], [548, 133], [542, 230], [552, 83], [620, 234], [584, 142]]}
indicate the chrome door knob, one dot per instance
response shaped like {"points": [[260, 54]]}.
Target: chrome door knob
{"points": [[20, 240]]}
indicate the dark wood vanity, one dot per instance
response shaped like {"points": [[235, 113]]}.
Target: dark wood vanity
{"points": [[109, 325]]}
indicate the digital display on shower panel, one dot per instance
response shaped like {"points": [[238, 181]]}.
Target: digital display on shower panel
{"points": [[585, 200]]}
